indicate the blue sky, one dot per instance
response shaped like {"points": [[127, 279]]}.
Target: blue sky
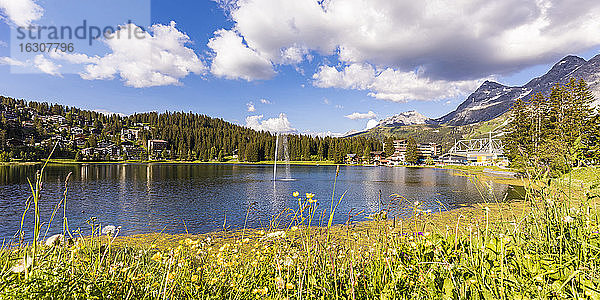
{"points": [[314, 63]]}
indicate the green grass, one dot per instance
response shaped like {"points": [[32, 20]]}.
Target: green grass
{"points": [[547, 246]]}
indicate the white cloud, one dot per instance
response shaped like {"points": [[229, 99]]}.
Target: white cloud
{"points": [[39, 62], [21, 12], [11, 61], [357, 115], [280, 124], [45, 65], [293, 55], [392, 84], [235, 60], [448, 40], [159, 58], [326, 101], [265, 101], [371, 124], [250, 106], [354, 76], [3, 44]]}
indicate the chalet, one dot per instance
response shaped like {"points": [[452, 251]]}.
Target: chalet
{"points": [[130, 134], [156, 147], [398, 158], [376, 157], [429, 150], [79, 140], [351, 158], [10, 115], [76, 131], [88, 151], [112, 150], [104, 144], [133, 152], [54, 119]]}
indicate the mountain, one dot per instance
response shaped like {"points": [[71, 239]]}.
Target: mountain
{"points": [[405, 119], [493, 99]]}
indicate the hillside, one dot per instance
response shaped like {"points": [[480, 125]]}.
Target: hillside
{"points": [[445, 135], [29, 130]]}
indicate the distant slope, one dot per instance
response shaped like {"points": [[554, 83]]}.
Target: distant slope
{"points": [[492, 99], [445, 135]]}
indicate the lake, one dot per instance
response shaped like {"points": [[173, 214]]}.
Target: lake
{"points": [[200, 198]]}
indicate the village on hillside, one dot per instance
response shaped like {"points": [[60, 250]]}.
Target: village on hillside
{"points": [[77, 134]]}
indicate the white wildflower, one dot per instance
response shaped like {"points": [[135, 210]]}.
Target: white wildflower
{"points": [[55, 240], [567, 219], [22, 264], [110, 230], [276, 234]]}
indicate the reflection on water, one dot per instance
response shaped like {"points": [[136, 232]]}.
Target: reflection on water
{"points": [[145, 198]]}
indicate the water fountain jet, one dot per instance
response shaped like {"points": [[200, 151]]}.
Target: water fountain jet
{"points": [[286, 154]]}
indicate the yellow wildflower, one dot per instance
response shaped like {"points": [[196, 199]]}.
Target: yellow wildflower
{"points": [[157, 257], [296, 194], [294, 228], [289, 286], [194, 278]]}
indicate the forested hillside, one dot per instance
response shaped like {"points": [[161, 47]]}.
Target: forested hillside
{"points": [[28, 130]]}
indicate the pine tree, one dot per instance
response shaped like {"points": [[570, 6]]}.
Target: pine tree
{"points": [[518, 139], [367, 153], [305, 150], [389, 147], [321, 150], [412, 151]]}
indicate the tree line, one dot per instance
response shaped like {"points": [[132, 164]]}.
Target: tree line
{"points": [[554, 132]]}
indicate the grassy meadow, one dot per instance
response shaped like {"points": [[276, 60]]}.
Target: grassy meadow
{"points": [[544, 247]]}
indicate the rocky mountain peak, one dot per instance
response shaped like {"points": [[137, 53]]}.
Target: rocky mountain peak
{"points": [[493, 99], [405, 119]]}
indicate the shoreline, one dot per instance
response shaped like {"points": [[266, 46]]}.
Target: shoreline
{"points": [[487, 172]]}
